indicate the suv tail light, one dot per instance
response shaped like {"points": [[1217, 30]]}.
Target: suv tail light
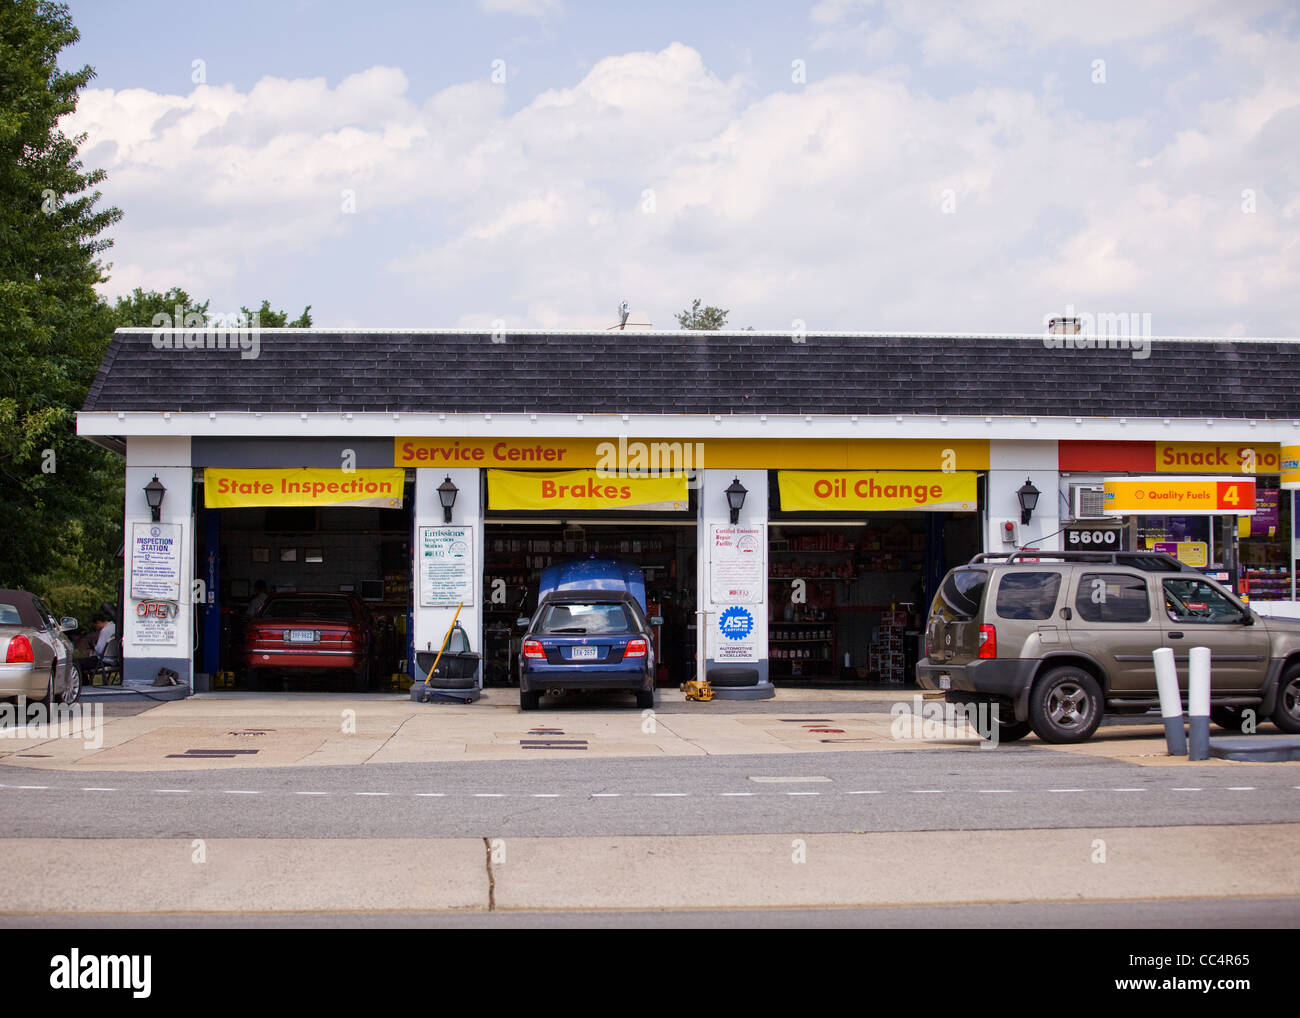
{"points": [[988, 641], [533, 648], [20, 651], [636, 648]]}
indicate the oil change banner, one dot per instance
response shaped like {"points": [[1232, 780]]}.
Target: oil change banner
{"points": [[877, 491], [584, 489], [233, 488]]}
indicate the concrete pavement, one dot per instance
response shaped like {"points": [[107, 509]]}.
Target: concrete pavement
{"points": [[186, 875], [240, 730]]}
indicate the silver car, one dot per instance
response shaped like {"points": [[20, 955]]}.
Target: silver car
{"points": [[35, 654]]}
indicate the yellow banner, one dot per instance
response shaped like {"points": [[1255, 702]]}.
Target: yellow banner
{"points": [[933, 491], [654, 457], [1178, 496], [584, 489], [1218, 458], [232, 488], [1290, 468]]}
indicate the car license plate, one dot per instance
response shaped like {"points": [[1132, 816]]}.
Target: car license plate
{"points": [[302, 636], [584, 653], [945, 682]]}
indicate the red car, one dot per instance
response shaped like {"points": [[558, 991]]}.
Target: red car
{"points": [[309, 633]]}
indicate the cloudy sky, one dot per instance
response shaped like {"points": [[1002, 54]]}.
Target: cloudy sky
{"points": [[947, 165]]}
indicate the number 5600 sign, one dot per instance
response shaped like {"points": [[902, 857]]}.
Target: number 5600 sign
{"points": [[1092, 538]]}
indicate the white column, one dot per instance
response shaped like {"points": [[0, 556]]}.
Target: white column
{"points": [[169, 460], [713, 511], [1010, 463], [431, 624]]}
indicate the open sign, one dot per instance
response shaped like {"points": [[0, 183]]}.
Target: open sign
{"points": [[157, 610]]}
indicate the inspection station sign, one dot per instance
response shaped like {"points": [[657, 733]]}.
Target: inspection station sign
{"points": [[237, 488], [739, 571], [156, 561], [446, 566]]}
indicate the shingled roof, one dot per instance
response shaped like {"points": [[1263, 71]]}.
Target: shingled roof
{"points": [[299, 370]]}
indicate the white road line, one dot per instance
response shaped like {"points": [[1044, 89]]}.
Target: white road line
{"points": [[311, 793], [240, 791], [546, 795], [1128, 789], [737, 793], [996, 791], [99, 789], [30, 787], [430, 795], [1067, 789], [489, 795], [172, 790], [668, 795], [927, 791], [867, 791], [1185, 789], [606, 795], [803, 793], [1241, 788], [372, 793]]}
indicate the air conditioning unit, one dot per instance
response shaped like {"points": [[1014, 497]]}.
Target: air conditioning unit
{"points": [[1088, 502]]}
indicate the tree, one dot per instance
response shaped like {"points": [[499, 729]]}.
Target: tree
{"points": [[268, 319], [56, 490], [707, 318], [142, 308]]}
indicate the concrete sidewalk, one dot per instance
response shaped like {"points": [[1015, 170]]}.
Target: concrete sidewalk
{"points": [[727, 871], [240, 730]]}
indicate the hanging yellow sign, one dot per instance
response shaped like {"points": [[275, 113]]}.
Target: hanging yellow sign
{"points": [[877, 491], [1178, 496], [566, 490], [233, 488]]}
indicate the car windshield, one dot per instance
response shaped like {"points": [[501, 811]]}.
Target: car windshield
{"points": [[325, 609], [9, 615], [587, 620]]}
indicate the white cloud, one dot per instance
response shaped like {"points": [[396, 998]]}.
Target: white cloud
{"points": [[654, 179]]}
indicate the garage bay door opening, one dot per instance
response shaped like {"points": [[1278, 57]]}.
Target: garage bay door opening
{"points": [[310, 598]]}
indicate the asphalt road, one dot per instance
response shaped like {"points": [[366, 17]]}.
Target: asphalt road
{"points": [[1014, 787]]}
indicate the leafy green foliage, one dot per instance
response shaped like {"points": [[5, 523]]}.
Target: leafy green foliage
{"points": [[705, 318], [268, 319], [53, 326]]}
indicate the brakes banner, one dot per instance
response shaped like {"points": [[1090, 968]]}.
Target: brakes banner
{"points": [[235, 488], [1179, 496], [877, 491], [584, 489]]}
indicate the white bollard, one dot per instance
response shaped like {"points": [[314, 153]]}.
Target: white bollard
{"points": [[1198, 703], [1171, 703]]}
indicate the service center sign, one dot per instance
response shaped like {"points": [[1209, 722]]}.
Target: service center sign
{"points": [[584, 489], [156, 561], [1179, 496], [232, 488], [738, 570], [880, 490]]}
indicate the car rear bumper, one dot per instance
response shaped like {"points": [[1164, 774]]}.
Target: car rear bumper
{"points": [[22, 680], [539, 678], [302, 658], [1002, 677]]}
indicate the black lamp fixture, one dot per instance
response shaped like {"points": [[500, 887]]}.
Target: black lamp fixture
{"points": [[447, 496], [736, 493], [153, 494], [1028, 496]]}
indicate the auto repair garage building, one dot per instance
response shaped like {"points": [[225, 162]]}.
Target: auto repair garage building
{"points": [[794, 500]]}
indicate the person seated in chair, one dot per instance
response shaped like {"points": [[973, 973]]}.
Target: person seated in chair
{"points": [[105, 651]]}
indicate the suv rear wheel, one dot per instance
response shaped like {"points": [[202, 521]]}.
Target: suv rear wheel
{"points": [[1065, 706], [1286, 715], [1228, 718]]}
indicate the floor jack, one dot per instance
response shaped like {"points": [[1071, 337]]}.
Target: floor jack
{"points": [[697, 689]]}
